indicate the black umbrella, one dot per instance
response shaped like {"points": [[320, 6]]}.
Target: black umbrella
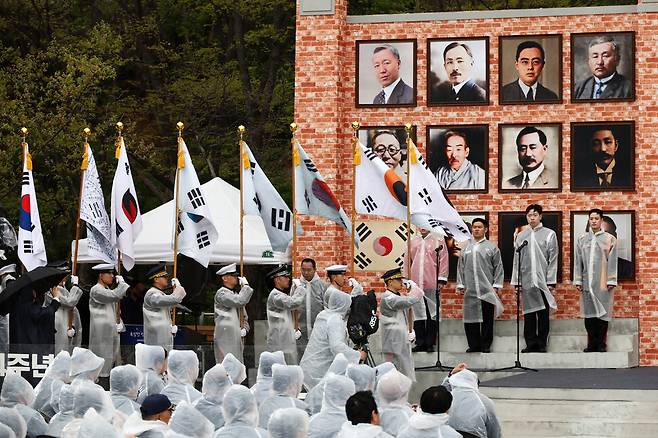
{"points": [[40, 279]]}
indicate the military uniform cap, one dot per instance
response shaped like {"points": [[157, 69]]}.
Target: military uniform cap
{"points": [[279, 271], [9, 269], [159, 270], [336, 269], [392, 274], [231, 269], [103, 268]]}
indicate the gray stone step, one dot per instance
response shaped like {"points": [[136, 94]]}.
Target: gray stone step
{"points": [[576, 394], [558, 326], [514, 409], [582, 426]]}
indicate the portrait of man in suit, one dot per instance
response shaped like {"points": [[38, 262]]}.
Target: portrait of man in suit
{"points": [[383, 68], [456, 83], [603, 78], [602, 157], [537, 160], [458, 156], [529, 63]]}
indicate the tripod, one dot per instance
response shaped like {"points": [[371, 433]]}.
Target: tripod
{"points": [[370, 360], [519, 287], [438, 366]]}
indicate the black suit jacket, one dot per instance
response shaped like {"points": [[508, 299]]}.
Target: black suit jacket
{"points": [[619, 87], [586, 177], [402, 94], [469, 92], [512, 92]]}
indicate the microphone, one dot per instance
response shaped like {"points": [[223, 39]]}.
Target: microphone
{"points": [[523, 245], [437, 250]]}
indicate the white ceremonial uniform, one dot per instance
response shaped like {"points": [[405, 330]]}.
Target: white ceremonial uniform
{"points": [[103, 337], [314, 304], [68, 299], [395, 341], [595, 268], [157, 316], [479, 271], [280, 328], [227, 321]]}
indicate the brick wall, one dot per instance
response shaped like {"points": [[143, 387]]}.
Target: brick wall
{"points": [[324, 108]]}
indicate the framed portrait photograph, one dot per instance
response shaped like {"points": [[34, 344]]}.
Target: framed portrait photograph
{"points": [[385, 73], [458, 71], [389, 143], [602, 66], [530, 69], [619, 223], [459, 157], [602, 156], [512, 223], [530, 158], [454, 247]]}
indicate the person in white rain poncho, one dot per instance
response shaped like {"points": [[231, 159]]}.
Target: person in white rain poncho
{"points": [[471, 412], [363, 418], [287, 382], [158, 329], [85, 366], [538, 278], [46, 393], [281, 333], [261, 389], [87, 396], [18, 393], [363, 377], [68, 337], [395, 304], [595, 276], [337, 282], [431, 421], [152, 419], [480, 278], [235, 369], [216, 382], [6, 432], [316, 394], [288, 423], [13, 419], [240, 415], [150, 359], [393, 393], [125, 381], [313, 304], [230, 299], [65, 414], [187, 421], [94, 425], [103, 327], [329, 337], [328, 422], [182, 372]]}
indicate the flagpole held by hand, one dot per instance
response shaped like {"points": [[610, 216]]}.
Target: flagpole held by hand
{"points": [[295, 163], [408, 127], [180, 163], [241, 131], [116, 155], [356, 157]]}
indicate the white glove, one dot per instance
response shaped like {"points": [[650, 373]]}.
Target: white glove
{"points": [[243, 281], [243, 332], [296, 282], [121, 327], [298, 335], [352, 282], [409, 283], [412, 336], [74, 280], [70, 332], [174, 282], [120, 279], [174, 329]]}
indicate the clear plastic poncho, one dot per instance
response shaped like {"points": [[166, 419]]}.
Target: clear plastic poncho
{"points": [[363, 377], [182, 372], [235, 369], [125, 381], [328, 422], [216, 382], [18, 393], [314, 397], [188, 421], [393, 392], [287, 382], [12, 418], [65, 414], [85, 365], [288, 423], [150, 359], [471, 411], [240, 414], [263, 386], [46, 393]]}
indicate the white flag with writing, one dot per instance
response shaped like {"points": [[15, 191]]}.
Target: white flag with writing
{"points": [[31, 246]]}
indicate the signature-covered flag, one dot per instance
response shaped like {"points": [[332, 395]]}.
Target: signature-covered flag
{"points": [[312, 194], [262, 199], [197, 234], [31, 247], [126, 221], [92, 211]]}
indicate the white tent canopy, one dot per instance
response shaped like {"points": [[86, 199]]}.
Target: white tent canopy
{"points": [[155, 242]]}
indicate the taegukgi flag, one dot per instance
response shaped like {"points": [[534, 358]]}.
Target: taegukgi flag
{"points": [[126, 221], [31, 246], [197, 234], [92, 211]]}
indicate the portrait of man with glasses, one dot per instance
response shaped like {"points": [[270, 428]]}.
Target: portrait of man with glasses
{"points": [[389, 143]]}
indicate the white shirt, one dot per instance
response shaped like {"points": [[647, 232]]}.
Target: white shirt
{"points": [[459, 86], [525, 89], [388, 90], [533, 175]]}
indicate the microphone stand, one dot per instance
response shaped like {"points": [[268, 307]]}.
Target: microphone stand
{"points": [[519, 287], [438, 366]]}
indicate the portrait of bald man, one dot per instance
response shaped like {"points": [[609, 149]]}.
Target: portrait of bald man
{"points": [[386, 73]]}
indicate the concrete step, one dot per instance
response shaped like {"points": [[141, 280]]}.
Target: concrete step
{"points": [[561, 394], [512, 409], [558, 326], [580, 426], [425, 379]]}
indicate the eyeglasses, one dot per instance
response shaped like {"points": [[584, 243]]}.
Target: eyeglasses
{"points": [[392, 150], [172, 408]]}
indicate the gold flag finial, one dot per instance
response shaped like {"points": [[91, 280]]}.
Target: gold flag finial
{"points": [[86, 132], [180, 126], [119, 128], [27, 156], [24, 132], [181, 156], [117, 151], [85, 155], [355, 126], [408, 127], [293, 127], [241, 131]]}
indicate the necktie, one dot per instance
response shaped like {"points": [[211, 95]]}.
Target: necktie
{"points": [[599, 90], [529, 96], [381, 98], [453, 95], [526, 182]]}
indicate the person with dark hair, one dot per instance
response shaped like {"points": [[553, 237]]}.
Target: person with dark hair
{"points": [[529, 63], [595, 276], [432, 418], [480, 278], [363, 418], [459, 172], [386, 65], [603, 167], [153, 419], [538, 249], [315, 302], [531, 147], [605, 83], [460, 87]]}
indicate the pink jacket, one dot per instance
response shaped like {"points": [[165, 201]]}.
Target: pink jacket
{"points": [[423, 261]]}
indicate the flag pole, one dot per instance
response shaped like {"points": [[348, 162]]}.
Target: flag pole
{"points": [[180, 163], [116, 155], [408, 127], [295, 163], [356, 152], [27, 163], [83, 168], [241, 131]]}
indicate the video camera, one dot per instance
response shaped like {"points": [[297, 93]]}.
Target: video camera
{"points": [[362, 321]]}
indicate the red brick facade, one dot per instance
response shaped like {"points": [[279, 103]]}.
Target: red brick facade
{"points": [[324, 108]]}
